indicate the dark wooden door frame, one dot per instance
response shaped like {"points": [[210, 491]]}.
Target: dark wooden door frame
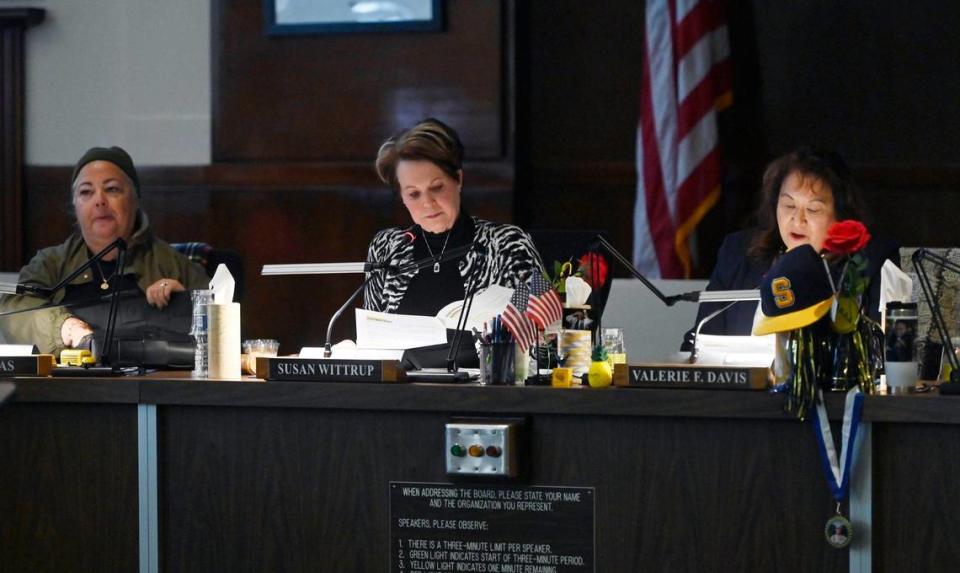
{"points": [[13, 24]]}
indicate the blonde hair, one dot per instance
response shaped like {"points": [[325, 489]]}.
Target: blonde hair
{"points": [[429, 140]]}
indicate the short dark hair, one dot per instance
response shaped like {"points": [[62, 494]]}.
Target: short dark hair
{"points": [[429, 140], [824, 165]]}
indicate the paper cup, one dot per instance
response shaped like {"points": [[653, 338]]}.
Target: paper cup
{"points": [[901, 376]]}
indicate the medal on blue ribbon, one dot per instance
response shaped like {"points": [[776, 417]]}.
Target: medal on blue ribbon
{"points": [[838, 530]]}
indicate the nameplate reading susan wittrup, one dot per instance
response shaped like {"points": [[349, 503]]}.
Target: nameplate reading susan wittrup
{"points": [[328, 370]]}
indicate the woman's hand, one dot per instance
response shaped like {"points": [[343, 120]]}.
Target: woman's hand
{"points": [[73, 331], [158, 294]]}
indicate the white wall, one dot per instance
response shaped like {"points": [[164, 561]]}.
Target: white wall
{"points": [[134, 73]]}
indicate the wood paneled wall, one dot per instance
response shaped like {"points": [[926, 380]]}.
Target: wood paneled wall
{"points": [[336, 96], [545, 96], [297, 122], [13, 25]]}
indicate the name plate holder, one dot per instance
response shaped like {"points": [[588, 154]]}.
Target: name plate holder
{"points": [[29, 365], [700, 376], [292, 368]]}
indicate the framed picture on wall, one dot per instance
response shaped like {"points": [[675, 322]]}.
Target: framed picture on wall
{"points": [[287, 17]]}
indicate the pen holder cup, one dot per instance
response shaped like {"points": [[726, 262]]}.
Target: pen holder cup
{"points": [[497, 363]]}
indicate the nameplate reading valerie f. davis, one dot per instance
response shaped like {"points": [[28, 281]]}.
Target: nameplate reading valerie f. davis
{"points": [[690, 376]]}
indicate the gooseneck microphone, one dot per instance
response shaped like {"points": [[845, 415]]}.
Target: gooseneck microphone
{"points": [[696, 331], [22, 289], [46, 292], [693, 296], [407, 238], [410, 267], [731, 296], [464, 316], [601, 241], [120, 246], [124, 294]]}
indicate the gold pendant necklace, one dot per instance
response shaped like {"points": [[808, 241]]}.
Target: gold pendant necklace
{"points": [[104, 281]]}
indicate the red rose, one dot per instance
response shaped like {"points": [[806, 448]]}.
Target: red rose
{"points": [[591, 263], [846, 237]]}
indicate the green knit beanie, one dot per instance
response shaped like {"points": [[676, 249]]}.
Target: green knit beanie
{"points": [[115, 155]]}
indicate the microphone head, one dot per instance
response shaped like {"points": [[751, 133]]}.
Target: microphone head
{"points": [[22, 289], [409, 234]]}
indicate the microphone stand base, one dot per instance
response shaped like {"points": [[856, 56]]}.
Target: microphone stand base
{"points": [[538, 380], [92, 371], [949, 389], [440, 376]]}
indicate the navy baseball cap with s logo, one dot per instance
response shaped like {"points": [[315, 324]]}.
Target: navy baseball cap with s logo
{"points": [[795, 292]]}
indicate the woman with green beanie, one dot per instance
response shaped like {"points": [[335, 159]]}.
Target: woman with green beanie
{"points": [[105, 194]]}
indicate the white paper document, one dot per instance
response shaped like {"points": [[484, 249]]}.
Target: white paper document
{"points": [[736, 350], [379, 330], [16, 349], [487, 304], [347, 350]]}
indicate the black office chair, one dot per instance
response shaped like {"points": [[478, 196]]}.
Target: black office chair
{"points": [[210, 258]]}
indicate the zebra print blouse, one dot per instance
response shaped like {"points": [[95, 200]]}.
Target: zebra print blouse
{"points": [[508, 259]]}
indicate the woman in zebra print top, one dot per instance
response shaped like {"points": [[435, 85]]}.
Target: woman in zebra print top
{"points": [[424, 165]]}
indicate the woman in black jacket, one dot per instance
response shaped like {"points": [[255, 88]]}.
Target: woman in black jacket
{"points": [[803, 193]]}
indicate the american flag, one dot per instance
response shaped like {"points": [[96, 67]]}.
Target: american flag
{"points": [[523, 329], [686, 81], [543, 305]]}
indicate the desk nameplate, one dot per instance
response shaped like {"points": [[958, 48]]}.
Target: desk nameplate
{"points": [[690, 376], [32, 365], [329, 370]]}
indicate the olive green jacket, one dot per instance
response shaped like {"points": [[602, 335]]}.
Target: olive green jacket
{"points": [[147, 258]]}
